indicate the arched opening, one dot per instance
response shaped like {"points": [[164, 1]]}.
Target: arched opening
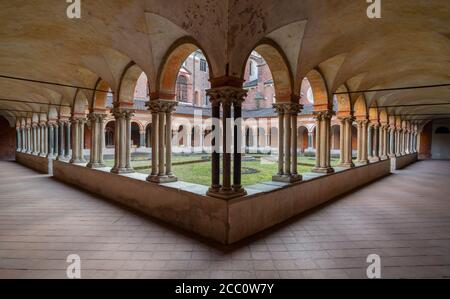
{"points": [[87, 136], [302, 139], [135, 135], [109, 134]]}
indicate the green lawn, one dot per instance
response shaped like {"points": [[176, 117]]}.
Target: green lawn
{"points": [[200, 173]]}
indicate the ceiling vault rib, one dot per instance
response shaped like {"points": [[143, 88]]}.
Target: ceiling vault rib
{"points": [[394, 88], [413, 105], [54, 83]]}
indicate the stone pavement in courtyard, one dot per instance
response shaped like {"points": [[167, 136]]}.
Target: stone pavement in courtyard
{"points": [[404, 218]]}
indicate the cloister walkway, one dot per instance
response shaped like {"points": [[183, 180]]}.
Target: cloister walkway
{"points": [[404, 218]]}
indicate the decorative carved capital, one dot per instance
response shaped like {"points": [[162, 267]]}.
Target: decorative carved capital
{"points": [[226, 95], [323, 115], [120, 113], [288, 108], [162, 106]]}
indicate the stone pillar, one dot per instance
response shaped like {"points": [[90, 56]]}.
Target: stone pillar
{"points": [[408, 142], [376, 140], [391, 142], [346, 142], [28, 137], [370, 141], [310, 140], [67, 142], [43, 148], [362, 142], [142, 139], [33, 134], [61, 145], [24, 139], [97, 136], [287, 156], [18, 145], [56, 140], [228, 97], [162, 111], [122, 141], [78, 140], [323, 140], [50, 143], [384, 141], [402, 142]]}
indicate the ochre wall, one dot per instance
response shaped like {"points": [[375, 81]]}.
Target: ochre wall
{"points": [[7, 140]]}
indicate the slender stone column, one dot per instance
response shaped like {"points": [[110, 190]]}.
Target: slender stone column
{"points": [[346, 142], [78, 141], [68, 140], [226, 96], [142, 139], [43, 148], [154, 143], [37, 137], [162, 111], [323, 157], [370, 141], [362, 142], [122, 141], [61, 145], [56, 140], [294, 144], [376, 140], [97, 129], [280, 110], [28, 137], [384, 142], [392, 142], [51, 136], [24, 139], [287, 156], [408, 142], [310, 140], [215, 155], [402, 142], [34, 133], [237, 158]]}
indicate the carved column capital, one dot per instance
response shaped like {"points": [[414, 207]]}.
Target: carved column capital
{"points": [[158, 106], [226, 95], [322, 115]]}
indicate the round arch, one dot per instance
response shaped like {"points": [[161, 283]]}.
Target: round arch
{"points": [[319, 89], [281, 72], [172, 62]]}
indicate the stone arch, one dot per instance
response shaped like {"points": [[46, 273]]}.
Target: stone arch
{"points": [[319, 89], [127, 86], [80, 104], [172, 62], [100, 97], [383, 115], [360, 108], [343, 101], [374, 115], [279, 67]]}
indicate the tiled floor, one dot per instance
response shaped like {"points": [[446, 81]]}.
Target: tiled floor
{"points": [[404, 218]]}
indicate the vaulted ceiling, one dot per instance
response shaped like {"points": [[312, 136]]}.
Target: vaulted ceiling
{"points": [[408, 46]]}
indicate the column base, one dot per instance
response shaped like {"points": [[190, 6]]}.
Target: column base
{"points": [[43, 155], [226, 194], [323, 170], [163, 179], [94, 165], [35, 153], [383, 158], [375, 159], [362, 162], [293, 178], [122, 170], [346, 165], [77, 161]]}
